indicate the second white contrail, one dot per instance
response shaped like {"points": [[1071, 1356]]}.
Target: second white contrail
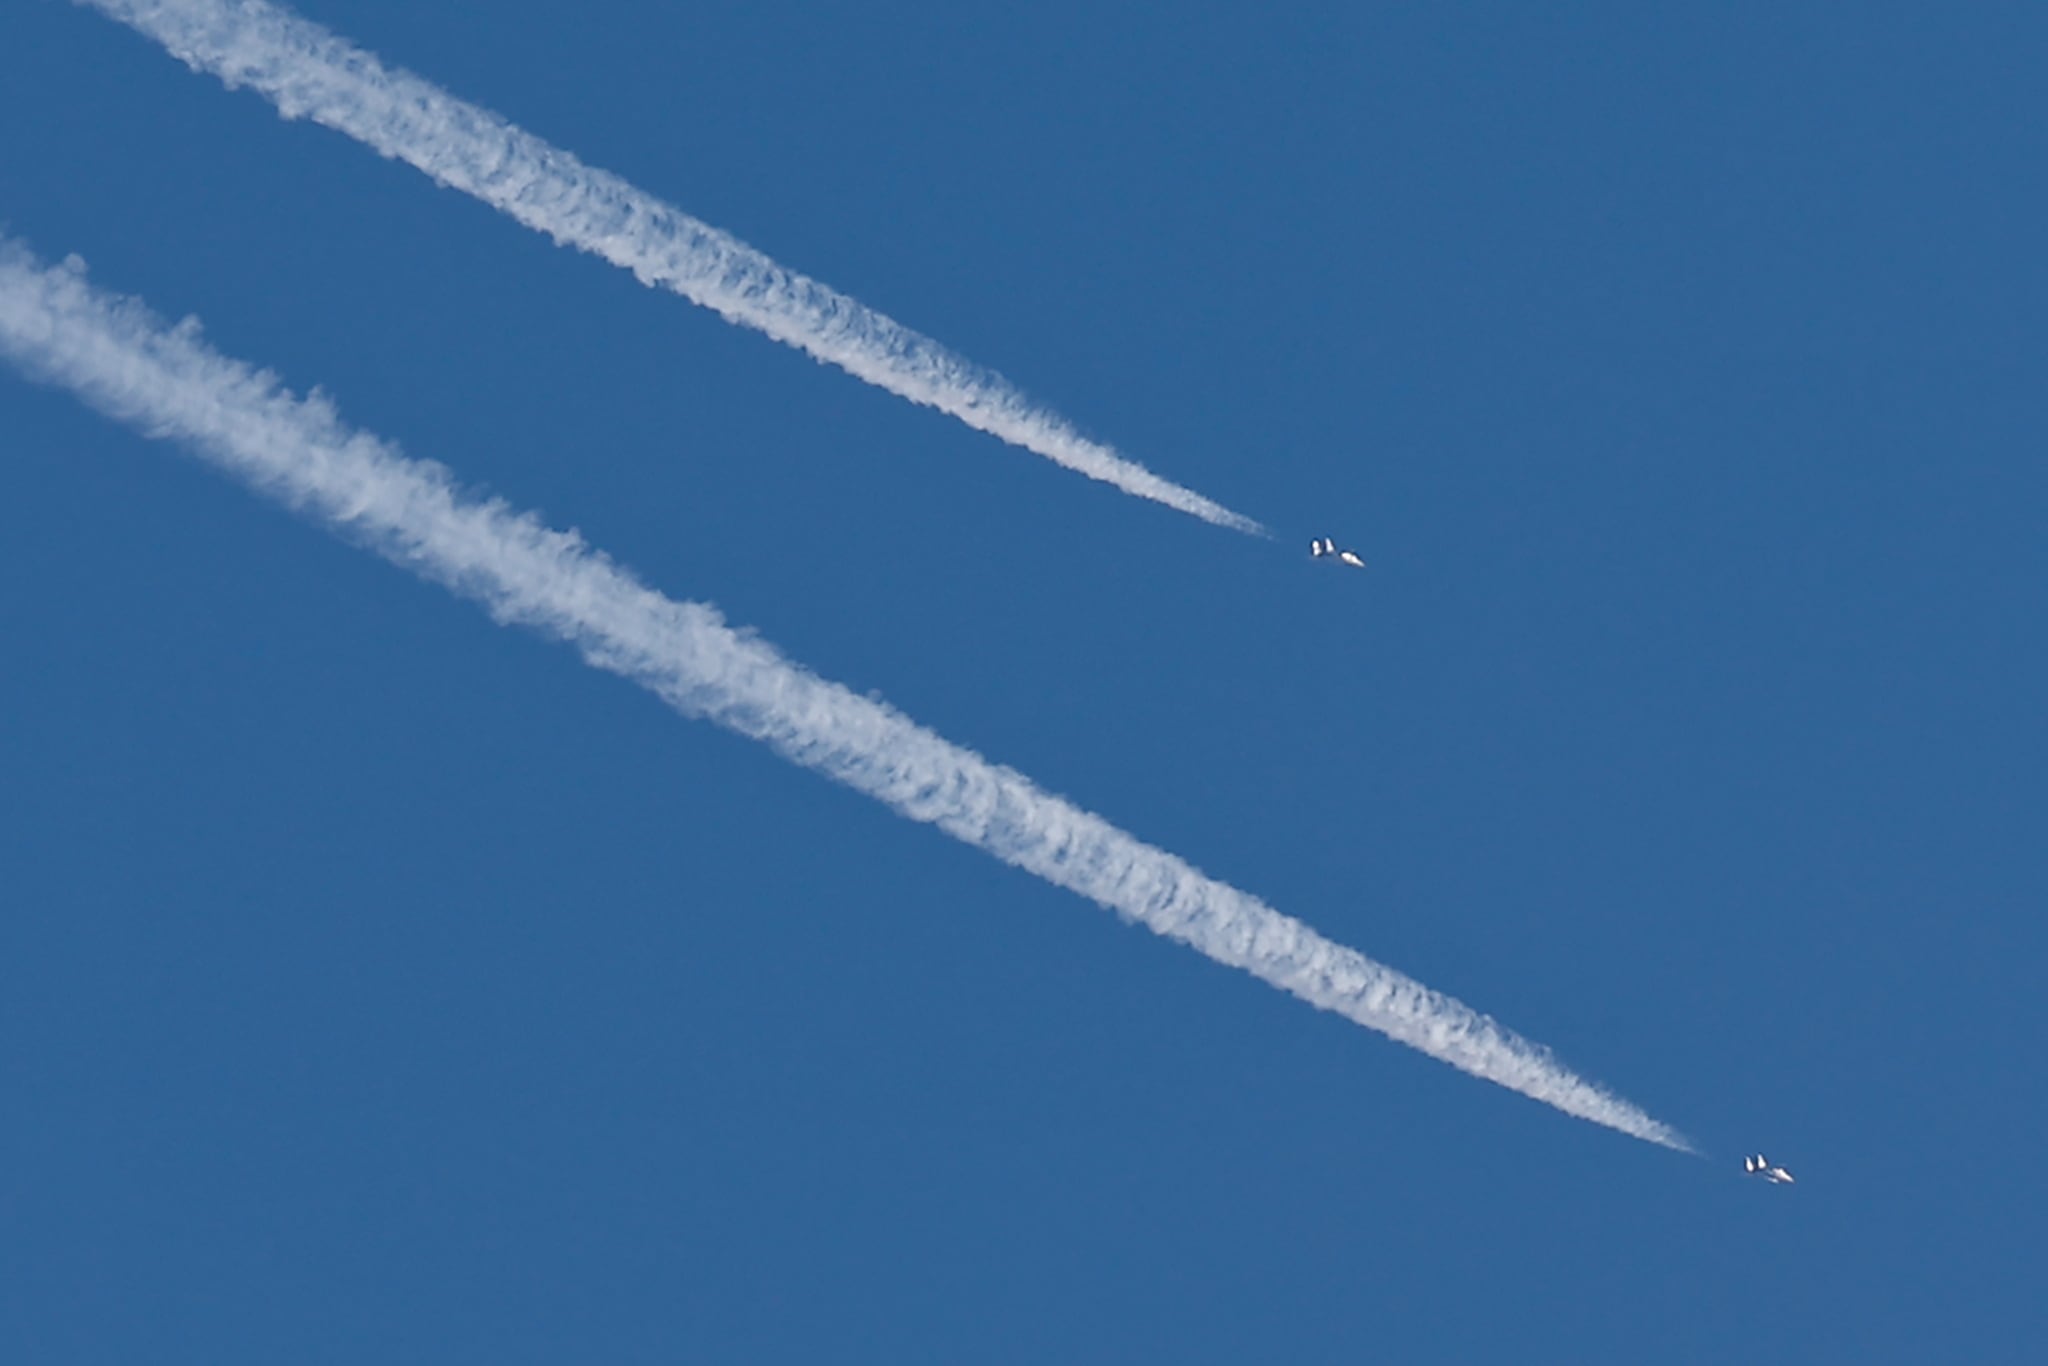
{"points": [[166, 381], [308, 72]]}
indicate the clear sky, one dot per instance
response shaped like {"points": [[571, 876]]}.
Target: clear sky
{"points": [[379, 984]]}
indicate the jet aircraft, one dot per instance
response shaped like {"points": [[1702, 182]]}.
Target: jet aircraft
{"points": [[1322, 547], [1761, 1166]]}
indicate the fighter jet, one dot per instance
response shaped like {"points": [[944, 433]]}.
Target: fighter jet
{"points": [[1325, 548], [1761, 1166]]}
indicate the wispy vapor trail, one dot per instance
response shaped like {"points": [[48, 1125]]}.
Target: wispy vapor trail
{"points": [[308, 72], [167, 382]]}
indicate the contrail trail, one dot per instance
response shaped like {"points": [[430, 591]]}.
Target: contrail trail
{"points": [[165, 381], [308, 72]]}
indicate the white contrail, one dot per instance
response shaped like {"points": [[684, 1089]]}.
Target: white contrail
{"points": [[167, 382], [308, 72]]}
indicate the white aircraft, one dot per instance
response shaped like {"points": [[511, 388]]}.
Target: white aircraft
{"points": [[1761, 1166], [1322, 547]]}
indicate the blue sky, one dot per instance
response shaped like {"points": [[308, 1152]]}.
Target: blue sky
{"points": [[377, 983]]}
